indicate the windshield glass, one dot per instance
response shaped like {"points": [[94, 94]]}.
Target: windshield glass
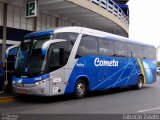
{"points": [[30, 61]]}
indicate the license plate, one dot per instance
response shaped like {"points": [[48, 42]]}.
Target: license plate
{"points": [[23, 91]]}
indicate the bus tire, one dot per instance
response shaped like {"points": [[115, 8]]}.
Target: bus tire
{"points": [[140, 83], [80, 88]]}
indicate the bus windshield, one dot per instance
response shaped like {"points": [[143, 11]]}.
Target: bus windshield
{"points": [[30, 61]]}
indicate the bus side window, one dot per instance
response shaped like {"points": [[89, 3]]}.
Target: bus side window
{"points": [[120, 48], [88, 46], [132, 50], [151, 53], [105, 47], [143, 53]]}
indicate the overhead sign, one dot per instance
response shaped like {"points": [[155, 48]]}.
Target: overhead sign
{"points": [[31, 9]]}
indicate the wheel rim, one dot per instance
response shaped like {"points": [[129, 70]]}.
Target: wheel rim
{"points": [[80, 89], [140, 83]]}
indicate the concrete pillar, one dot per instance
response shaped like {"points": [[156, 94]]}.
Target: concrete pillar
{"points": [[4, 32], [35, 24]]}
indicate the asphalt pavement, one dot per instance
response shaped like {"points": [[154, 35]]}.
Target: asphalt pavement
{"points": [[117, 101]]}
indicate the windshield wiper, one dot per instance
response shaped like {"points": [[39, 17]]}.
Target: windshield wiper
{"points": [[37, 73]]}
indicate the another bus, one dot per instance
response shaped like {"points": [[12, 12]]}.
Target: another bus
{"points": [[76, 60]]}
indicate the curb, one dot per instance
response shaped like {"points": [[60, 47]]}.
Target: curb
{"points": [[7, 99]]}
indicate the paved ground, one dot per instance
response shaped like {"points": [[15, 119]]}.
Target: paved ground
{"points": [[146, 100]]}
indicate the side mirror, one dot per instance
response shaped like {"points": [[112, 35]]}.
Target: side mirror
{"points": [[46, 45], [11, 51]]}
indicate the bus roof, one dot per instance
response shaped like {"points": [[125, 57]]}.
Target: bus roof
{"points": [[111, 36], [83, 30]]}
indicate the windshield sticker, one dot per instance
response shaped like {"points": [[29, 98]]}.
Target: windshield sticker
{"points": [[57, 79]]}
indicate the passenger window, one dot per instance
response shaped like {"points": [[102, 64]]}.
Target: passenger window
{"points": [[87, 46], [143, 52], [151, 53], [67, 36], [132, 50], [120, 48], [105, 47]]}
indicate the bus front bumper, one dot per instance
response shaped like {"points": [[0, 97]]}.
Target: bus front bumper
{"points": [[32, 89]]}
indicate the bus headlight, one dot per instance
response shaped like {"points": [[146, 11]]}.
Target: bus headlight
{"points": [[13, 82], [40, 82]]}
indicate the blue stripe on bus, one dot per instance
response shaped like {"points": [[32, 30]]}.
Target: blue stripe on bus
{"points": [[30, 80], [39, 34]]}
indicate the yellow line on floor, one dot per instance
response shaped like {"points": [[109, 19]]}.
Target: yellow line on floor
{"points": [[7, 99]]}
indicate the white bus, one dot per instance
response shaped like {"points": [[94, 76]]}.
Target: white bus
{"points": [[76, 60]]}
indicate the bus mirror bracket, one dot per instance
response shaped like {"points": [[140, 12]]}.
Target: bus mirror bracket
{"points": [[8, 50]]}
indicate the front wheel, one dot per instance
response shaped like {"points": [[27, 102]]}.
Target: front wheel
{"points": [[80, 89], [139, 83]]}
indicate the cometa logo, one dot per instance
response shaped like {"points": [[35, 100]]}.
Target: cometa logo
{"points": [[111, 63]]}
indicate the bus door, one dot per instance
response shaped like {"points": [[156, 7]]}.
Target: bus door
{"points": [[105, 72], [113, 72], [56, 69], [101, 77]]}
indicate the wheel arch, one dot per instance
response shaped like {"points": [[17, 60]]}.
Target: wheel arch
{"points": [[85, 79], [142, 77]]}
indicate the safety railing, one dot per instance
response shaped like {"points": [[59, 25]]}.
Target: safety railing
{"points": [[113, 8]]}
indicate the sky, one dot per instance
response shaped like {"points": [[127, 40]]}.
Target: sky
{"points": [[145, 21]]}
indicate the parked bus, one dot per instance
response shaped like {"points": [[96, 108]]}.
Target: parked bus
{"points": [[76, 60]]}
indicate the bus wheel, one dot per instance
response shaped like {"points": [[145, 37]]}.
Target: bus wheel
{"points": [[139, 83], [80, 88]]}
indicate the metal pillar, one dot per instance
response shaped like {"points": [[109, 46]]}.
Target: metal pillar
{"points": [[4, 32]]}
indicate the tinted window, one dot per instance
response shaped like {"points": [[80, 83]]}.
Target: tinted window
{"points": [[120, 48], [105, 47], [132, 50], [151, 53], [87, 46], [143, 52], [60, 53], [67, 36]]}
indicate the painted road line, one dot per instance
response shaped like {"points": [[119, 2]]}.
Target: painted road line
{"points": [[7, 99], [151, 109]]}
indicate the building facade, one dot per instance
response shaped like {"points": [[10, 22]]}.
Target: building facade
{"points": [[106, 15]]}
